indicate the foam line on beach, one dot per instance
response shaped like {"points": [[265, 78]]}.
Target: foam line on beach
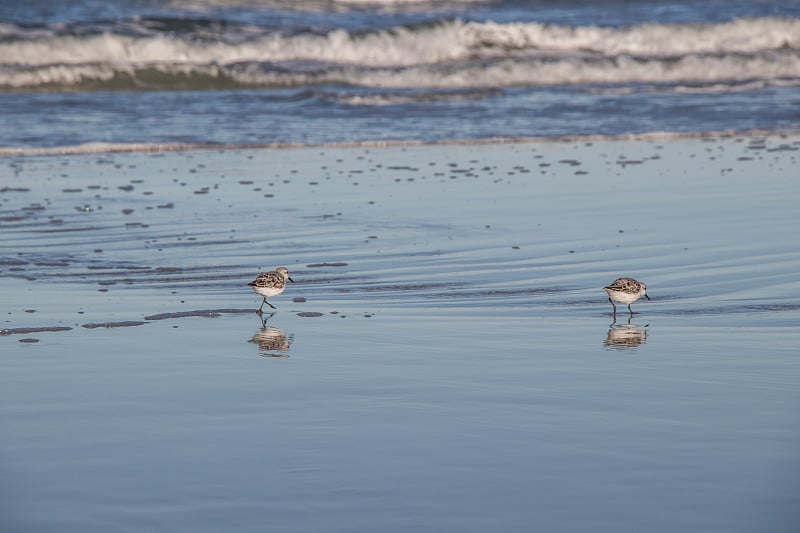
{"points": [[103, 148]]}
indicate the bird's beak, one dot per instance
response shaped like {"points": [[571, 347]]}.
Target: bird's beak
{"points": [[290, 279], [646, 296]]}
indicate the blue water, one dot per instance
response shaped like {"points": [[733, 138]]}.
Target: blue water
{"points": [[447, 359], [243, 73]]}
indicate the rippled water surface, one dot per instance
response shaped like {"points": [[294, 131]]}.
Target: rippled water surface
{"points": [[446, 360]]}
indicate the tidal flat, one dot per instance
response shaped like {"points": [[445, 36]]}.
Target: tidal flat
{"points": [[446, 359]]}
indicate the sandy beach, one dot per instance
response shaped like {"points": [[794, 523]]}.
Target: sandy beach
{"points": [[446, 340]]}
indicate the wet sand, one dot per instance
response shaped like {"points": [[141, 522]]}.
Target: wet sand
{"points": [[447, 339], [519, 225]]}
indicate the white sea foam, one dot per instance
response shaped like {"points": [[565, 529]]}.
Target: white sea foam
{"points": [[318, 5], [793, 136], [406, 46], [773, 69], [445, 54]]}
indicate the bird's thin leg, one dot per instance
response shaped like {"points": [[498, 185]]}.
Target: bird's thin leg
{"points": [[269, 304], [630, 310], [262, 305], [614, 306], [264, 318]]}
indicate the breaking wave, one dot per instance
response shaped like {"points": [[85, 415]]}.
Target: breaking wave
{"points": [[172, 54]]}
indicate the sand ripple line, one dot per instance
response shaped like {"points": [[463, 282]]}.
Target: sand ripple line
{"points": [[25, 331], [122, 324], [206, 313]]}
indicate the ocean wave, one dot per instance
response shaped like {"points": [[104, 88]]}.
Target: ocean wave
{"points": [[320, 5], [163, 54], [777, 68], [156, 41]]}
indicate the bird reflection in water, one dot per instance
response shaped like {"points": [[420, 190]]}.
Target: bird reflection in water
{"points": [[627, 335], [272, 342]]}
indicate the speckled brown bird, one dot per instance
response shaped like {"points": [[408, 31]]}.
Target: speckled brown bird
{"points": [[626, 291], [269, 284]]}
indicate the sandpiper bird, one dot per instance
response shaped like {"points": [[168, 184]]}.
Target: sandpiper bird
{"points": [[626, 291], [269, 284]]}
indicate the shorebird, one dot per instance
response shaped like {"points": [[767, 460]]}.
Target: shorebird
{"points": [[269, 284], [625, 291]]}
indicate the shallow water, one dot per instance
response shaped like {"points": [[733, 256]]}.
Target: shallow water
{"points": [[445, 360]]}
